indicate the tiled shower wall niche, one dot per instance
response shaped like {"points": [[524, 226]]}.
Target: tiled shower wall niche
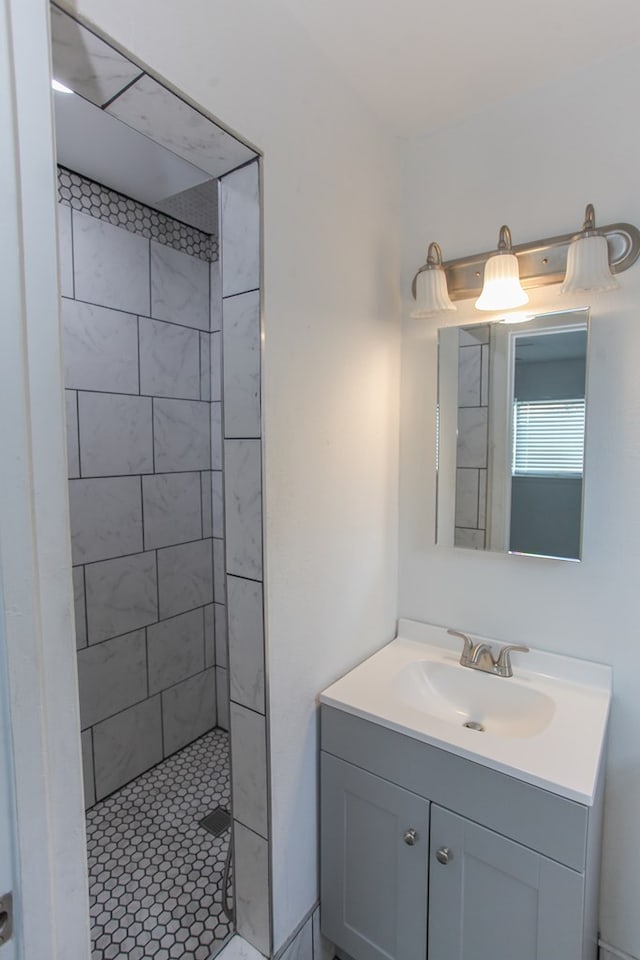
{"points": [[145, 500]]}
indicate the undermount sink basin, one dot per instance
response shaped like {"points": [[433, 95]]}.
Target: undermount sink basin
{"points": [[465, 697]]}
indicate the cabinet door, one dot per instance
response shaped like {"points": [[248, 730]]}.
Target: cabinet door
{"points": [[374, 883], [498, 900]]}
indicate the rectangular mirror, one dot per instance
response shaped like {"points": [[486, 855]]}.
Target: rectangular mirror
{"points": [[510, 435]]}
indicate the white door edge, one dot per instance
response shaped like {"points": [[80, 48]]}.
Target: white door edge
{"points": [[51, 895]]}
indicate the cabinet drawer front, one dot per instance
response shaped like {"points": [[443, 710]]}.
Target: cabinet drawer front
{"points": [[374, 882], [496, 900], [552, 825]]}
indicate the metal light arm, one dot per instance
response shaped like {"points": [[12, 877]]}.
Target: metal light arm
{"points": [[541, 262]]}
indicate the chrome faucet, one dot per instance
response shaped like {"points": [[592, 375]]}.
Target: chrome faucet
{"points": [[479, 656]]}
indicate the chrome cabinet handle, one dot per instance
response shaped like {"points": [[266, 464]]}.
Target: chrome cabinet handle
{"points": [[444, 856], [410, 837]]}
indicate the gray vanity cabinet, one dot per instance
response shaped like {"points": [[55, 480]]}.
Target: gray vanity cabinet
{"points": [[493, 899], [429, 856], [377, 850]]}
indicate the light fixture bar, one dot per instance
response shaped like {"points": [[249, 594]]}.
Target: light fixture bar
{"points": [[541, 262]]}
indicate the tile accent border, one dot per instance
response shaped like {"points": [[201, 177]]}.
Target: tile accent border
{"points": [[101, 202]]}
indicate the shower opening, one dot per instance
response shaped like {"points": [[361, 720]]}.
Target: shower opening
{"points": [[139, 176]]}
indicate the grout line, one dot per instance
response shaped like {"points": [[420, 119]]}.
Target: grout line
{"points": [[93, 766], [241, 293], [73, 255], [237, 703], [78, 433], [124, 89]]}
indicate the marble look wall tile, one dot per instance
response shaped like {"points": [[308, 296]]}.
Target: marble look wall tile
{"points": [[149, 107], [185, 577], [471, 539], [474, 334], [246, 643], [219, 574], [181, 435], [252, 887], [240, 230], [79, 607], [85, 63], [87, 769], [216, 366], [71, 416], [205, 366], [222, 645], [65, 252], [243, 508], [469, 375], [472, 437], [222, 688], [207, 497], [110, 265], [215, 306], [482, 499], [116, 435], [176, 649], [217, 503], [169, 360], [122, 595], [484, 384], [188, 710], [100, 348], [179, 287], [126, 745], [111, 677], [466, 498], [241, 352], [216, 436], [323, 949], [172, 510], [301, 948], [249, 768], [239, 949], [209, 636], [106, 518]]}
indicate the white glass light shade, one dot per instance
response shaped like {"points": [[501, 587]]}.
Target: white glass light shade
{"points": [[588, 266], [502, 289], [432, 296]]}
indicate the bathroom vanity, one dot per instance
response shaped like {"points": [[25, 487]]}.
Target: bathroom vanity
{"points": [[452, 843]]}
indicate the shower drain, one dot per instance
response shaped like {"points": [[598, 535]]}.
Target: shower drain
{"points": [[217, 821], [473, 725]]}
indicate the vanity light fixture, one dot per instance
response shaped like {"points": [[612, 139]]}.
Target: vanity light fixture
{"points": [[502, 289], [540, 263], [588, 259], [432, 296]]}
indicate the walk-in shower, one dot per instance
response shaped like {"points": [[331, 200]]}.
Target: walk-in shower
{"points": [[142, 295]]}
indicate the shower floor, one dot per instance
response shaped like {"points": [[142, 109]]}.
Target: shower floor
{"points": [[155, 875]]}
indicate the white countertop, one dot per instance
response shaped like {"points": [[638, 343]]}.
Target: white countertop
{"points": [[563, 757]]}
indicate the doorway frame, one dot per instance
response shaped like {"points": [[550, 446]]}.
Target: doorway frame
{"points": [[51, 902]]}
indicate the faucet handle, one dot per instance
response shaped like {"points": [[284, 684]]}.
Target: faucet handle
{"points": [[467, 651], [503, 663]]}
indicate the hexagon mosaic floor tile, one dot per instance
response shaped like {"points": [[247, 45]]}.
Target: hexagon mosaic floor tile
{"points": [[155, 874]]}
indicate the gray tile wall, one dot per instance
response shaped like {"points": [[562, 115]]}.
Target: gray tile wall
{"points": [[146, 498], [242, 558], [472, 452]]}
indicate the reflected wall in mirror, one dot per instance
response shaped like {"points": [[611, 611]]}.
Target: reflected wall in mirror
{"points": [[510, 435]]}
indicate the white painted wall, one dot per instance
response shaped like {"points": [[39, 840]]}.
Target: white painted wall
{"points": [[331, 368], [534, 163]]}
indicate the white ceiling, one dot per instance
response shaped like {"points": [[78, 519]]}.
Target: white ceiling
{"points": [[424, 63]]}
